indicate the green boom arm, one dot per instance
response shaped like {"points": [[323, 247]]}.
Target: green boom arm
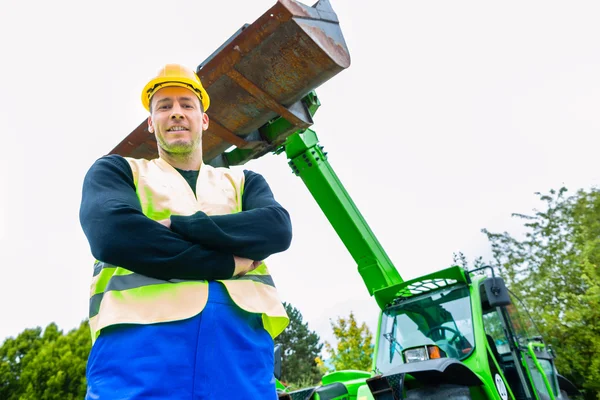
{"points": [[307, 160]]}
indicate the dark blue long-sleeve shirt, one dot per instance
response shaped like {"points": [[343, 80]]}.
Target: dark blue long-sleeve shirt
{"points": [[196, 246]]}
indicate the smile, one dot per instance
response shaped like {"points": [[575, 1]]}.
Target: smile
{"points": [[176, 128]]}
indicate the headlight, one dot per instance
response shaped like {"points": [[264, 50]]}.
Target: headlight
{"points": [[416, 354], [423, 353]]}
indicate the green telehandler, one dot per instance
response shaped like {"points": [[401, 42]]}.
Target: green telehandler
{"points": [[453, 334]]}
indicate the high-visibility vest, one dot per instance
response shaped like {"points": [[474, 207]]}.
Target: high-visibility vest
{"points": [[121, 296]]}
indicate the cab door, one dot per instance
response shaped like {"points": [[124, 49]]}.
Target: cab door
{"points": [[506, 357], [537, 361]]}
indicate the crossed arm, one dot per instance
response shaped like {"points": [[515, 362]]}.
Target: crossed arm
{"points": [[196, 246]]}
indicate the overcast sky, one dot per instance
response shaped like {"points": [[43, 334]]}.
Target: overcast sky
{"points": [[451, 116]]}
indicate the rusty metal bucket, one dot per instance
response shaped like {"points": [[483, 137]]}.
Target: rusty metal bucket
{"points": [[261, 73]]}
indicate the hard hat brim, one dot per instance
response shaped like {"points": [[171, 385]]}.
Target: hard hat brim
{"points": [[158, 83]]}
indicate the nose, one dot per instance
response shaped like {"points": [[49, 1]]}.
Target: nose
{"points": [[176, 111]]}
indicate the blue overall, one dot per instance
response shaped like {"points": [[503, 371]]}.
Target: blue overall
{"points": [[222, 353]]}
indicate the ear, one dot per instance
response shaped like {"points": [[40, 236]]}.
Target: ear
{"points": [[204, 121], [150, 124]]}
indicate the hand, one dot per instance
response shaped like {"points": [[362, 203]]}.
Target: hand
{"points": [[165, 222], [244, 265]]}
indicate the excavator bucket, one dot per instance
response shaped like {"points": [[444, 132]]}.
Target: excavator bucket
{"points": [[260, 74]]}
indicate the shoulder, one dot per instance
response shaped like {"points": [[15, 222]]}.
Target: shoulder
{"points": [[254, 180], [110, 167], [251, 174], [139, 164], [111, 162]]}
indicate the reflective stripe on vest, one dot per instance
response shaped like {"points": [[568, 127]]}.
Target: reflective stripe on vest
{"points": [[121, 296]]}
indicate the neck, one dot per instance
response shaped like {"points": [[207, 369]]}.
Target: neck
{"points": [[186, 161]]}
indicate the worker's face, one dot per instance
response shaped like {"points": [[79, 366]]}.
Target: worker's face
{"points": [[177, 120]]}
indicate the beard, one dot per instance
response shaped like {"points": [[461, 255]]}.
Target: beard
{"points": [[179, 146]]}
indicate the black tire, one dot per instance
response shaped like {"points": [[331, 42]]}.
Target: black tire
{"points": [[445, 392]]}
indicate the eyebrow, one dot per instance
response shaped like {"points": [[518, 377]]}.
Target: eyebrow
{"points": [[179, 98]]}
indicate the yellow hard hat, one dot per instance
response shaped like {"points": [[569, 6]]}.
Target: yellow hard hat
{"points": [[175, 75]]}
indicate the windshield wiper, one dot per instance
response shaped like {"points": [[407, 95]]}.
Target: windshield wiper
{"points": [[395, 346]]}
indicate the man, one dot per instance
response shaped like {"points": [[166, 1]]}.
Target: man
{"points": [[182, 306]]}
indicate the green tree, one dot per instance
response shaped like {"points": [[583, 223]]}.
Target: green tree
{"points": [[14, 355], [354, 345], [554, 269], [300, 350], [45, 366]]}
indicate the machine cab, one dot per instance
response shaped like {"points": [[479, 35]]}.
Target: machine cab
{"points": [[472, 324]]}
